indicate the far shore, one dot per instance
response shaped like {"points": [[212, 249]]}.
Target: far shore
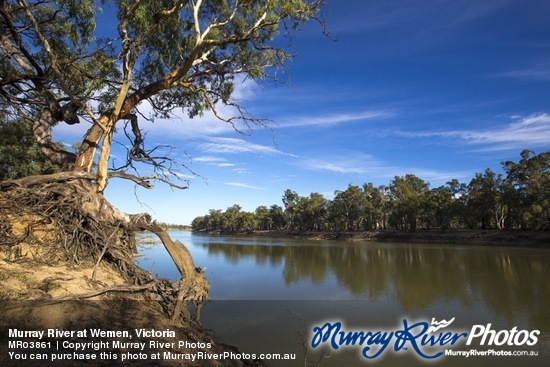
{"points": [[491, 237]]}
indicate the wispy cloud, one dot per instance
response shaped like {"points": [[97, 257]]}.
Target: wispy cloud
{"points": [[232, 146], [415, 16], [541, 74], [209, 160], [334, 119], [524, 133], [214, 161], [244, 186], [354, 163], [374, 168]]}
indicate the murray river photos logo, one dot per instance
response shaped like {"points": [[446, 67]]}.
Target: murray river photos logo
{"points": [[427, 340]]}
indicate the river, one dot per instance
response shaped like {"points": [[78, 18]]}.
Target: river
{"points": [[269, 293]]}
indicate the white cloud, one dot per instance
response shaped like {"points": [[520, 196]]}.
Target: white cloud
{"points": [[531, 131], [335, 119], [232, 145], [244, 186], [354, 163], [525, 133], [434, 177], [364, 164], [539, 75], [536, 73], [418, 19], [214, 161], [209, 160]]}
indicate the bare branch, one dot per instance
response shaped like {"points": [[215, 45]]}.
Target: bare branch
{"points": [[165, 166]]}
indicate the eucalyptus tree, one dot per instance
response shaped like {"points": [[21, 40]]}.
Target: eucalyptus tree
{"points": [[65, 61], [290, 199], [485, 199], [348, 208], [230, 218], [408, 195], [277, 215], [199, 223], [61, 62], [438, 207], [318, 211], [215, 219], [374, 206], [459, 210], [246, 221], [263, 217], [310, 212], [529, 199]]}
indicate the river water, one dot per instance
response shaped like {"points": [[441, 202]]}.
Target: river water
{"points": [[269, 293]]}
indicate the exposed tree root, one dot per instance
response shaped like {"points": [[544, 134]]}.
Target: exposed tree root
{"points": [[61, 217]]}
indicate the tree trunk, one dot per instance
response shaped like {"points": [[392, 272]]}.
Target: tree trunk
{"points": [[85, 158], [42, 131]]}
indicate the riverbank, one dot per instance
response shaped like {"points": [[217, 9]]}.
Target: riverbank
{"points": [[450, 236], [73, 299], [70, 286]]}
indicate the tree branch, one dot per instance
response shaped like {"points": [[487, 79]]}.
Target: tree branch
{"points": [[73, 175]]}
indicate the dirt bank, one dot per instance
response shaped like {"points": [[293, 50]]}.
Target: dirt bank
{"points": [[67, 264], [451, 236], [41, 297]]}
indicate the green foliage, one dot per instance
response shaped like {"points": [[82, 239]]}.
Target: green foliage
{"points": [[519, 200], [528, 190], [408, 194], [80, 19], [176, 54], [20, 155]]}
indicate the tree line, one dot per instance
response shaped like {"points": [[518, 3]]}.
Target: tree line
{"points": [[517, 199]]}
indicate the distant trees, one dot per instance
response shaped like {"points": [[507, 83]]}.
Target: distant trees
{"points": [[528, 190], [20, 154], [408, 196], [485, 199], [520, 199]]}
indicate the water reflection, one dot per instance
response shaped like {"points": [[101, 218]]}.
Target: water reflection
{"points": [[365, 283], [417, 276], [508, 282]]}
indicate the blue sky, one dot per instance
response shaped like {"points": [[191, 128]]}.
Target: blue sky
{"points": [[437, 88]]}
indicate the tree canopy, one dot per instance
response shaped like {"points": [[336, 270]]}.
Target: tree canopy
{"points": [[61, 62], [20, 155]]}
